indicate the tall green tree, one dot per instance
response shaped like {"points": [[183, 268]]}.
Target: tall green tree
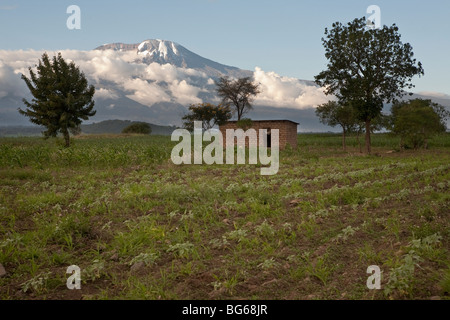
{"points": [[209, 114], [416, 121], [367, 67], [62, 97], [238, 93], [332, 114]]}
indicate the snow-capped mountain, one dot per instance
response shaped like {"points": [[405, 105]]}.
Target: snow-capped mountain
{"points": [[163, 52]]}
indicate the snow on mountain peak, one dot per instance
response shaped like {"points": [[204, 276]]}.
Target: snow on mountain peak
{"points": [[157, 48], [169, 52]]}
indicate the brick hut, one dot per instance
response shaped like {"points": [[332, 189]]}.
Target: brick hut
{"points": [[287, 131]]}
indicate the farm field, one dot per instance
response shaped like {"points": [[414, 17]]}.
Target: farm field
{"points": [[140, 227]]}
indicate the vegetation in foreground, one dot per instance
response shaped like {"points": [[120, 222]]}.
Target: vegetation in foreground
{"points": [[140, 227]]}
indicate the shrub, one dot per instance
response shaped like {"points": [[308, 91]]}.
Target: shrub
{"points": [[244, 124], [139, 128], [417, 121]]}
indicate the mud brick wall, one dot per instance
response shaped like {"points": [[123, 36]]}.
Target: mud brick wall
{"points": [[287, 131]]}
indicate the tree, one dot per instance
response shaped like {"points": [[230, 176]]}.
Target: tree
{"points": [[418, 120], [139, 128], [62, 97], [377, 124], [210, 115], [366, 68], [332, 113], [239, 93]]}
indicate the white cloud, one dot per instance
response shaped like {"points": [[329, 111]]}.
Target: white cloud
{"points": [[169, 73], [434, 94], [10, 82], [145, 92], [105, 94], [185, 93], [110, 68], [279, 91], [161, 73], [148, 84], [145, 84]]}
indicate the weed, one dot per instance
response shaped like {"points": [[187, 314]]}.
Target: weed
{"points": [[219, 243], [445, 282], [228, 282], [369, 255], [393, 225], [401, 278], [182, 249], [265, 229], [237, 235], [427, 243], [94, 271], [320, 270], [268, 264], [147, 258], [37, 283], [346, 233]]}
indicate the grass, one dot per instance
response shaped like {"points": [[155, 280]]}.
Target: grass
{"points": [[140, 227]]}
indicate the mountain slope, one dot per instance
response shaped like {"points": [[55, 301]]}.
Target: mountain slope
{"points": [[163, 51]]}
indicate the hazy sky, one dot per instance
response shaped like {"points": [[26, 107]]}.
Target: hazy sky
{"points": [[282, 36]]}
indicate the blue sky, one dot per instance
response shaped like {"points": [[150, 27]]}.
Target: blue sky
{"points": [[282, 36]]}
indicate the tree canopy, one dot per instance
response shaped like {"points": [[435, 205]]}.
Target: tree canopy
{"points": [[210, 115], [417, 120], [61, 96], [139, 128], [332, 113], [238, 93], [367, 67]]}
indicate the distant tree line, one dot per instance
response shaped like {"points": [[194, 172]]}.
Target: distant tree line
{"points": [[414, 121]]}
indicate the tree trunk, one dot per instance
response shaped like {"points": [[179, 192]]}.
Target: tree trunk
{"points": [[425, 142], [359, 142], [343, 140], [239, 113], [368, 147], [66, 138]]}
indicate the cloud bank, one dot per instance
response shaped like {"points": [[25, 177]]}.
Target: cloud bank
{"points": [[434, 94], [116, 74], [285, 92], [10, 82]]}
